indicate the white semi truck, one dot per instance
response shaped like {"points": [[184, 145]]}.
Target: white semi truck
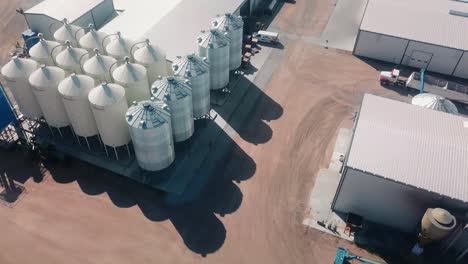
{"points": [[450, 90]]}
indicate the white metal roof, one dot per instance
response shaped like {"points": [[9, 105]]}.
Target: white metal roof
{"points": [[172, 25], [421, 20], [60, 9], [409, 144]]}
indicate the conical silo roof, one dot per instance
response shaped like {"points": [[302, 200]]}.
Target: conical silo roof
{"points": [[213, 38], [149, 54], [46, 77], [227, 22], [40, 52], [93, 40], [434, 102], [148, 114], [106, 94], [76, 85], [171, 88], [70, 57], [129, 72], [66, 32], [190, 65], [119, 47], [19, 68], [99, 65]]}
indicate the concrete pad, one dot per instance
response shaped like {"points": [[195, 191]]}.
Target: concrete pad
{"points": [[343, 26], [341, 147]]}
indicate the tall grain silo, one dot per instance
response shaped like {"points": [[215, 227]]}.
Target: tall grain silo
{"points": [[119, 47], [177, 93], [68, 32], [234, 27], [71, 59], [134, 79], [98, 67], [44, 82], [149, 123], [74, 91], [93, 40], [109, 105], [16, 73], [154, 60], [197, 71], [214, 45], [41, 51]]}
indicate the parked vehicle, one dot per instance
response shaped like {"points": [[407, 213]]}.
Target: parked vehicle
{"points": [[267, 36], [450, 90]]}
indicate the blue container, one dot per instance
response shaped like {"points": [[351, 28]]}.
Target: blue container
{"points": [[28, 34], [7, 114]]}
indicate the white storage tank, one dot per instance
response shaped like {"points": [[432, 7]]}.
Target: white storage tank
{"points": [[71, 59], [153, 59], [234, 27], [98, 67], [68, 32], [435, 102], [214, 45], [149, 123], [41, 51], [74, 91], [44, 82], [134, 79], [16, 73], [177, 93], [197, 71], [93, 40], [119, 47], [109, 105]]}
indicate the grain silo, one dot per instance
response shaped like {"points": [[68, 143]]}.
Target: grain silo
{"points": [[44, 82], [119, 47], [177, 93], [41, 51], [434, 102], [99, 66], [214, 45], [68, 32], [16, 73], [74, 91], [234, 27], [109, 105], [70, 59], [153, 58], [197, 71], [93, 40], [134, 79], [149, 123]]}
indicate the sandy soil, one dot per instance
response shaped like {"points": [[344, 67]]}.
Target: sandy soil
{"points": [[84, 215]]}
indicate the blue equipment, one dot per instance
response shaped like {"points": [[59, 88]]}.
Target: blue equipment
{"points": [[343, 256], [30, 38], [421, 85], [7, 113]]}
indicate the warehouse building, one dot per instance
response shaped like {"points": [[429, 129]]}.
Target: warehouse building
{"points": [[427, 34], [46, 16], [402, 160]]}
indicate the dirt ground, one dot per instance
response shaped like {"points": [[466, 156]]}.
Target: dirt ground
{"points": [[83, 215]]}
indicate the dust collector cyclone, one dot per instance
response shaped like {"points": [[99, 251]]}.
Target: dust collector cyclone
{"points": [[436, 224]]}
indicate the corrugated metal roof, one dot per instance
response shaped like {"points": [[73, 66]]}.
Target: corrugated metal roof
{"points": [[172, 25], [413, 145], [60, 9], [421, 20]]}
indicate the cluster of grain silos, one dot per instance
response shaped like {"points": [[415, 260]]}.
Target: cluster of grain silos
{"points": [[87, 80]]}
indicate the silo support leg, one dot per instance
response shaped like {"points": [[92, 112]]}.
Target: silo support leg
{"points": [[87, 143], [116, 155], [128, 150]]}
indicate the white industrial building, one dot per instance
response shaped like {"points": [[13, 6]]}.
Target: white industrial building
{"points": [[402, 160], [47, 15], [427, 34]]}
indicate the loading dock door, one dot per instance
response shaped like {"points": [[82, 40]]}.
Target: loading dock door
{"points": [[420, 59]]}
